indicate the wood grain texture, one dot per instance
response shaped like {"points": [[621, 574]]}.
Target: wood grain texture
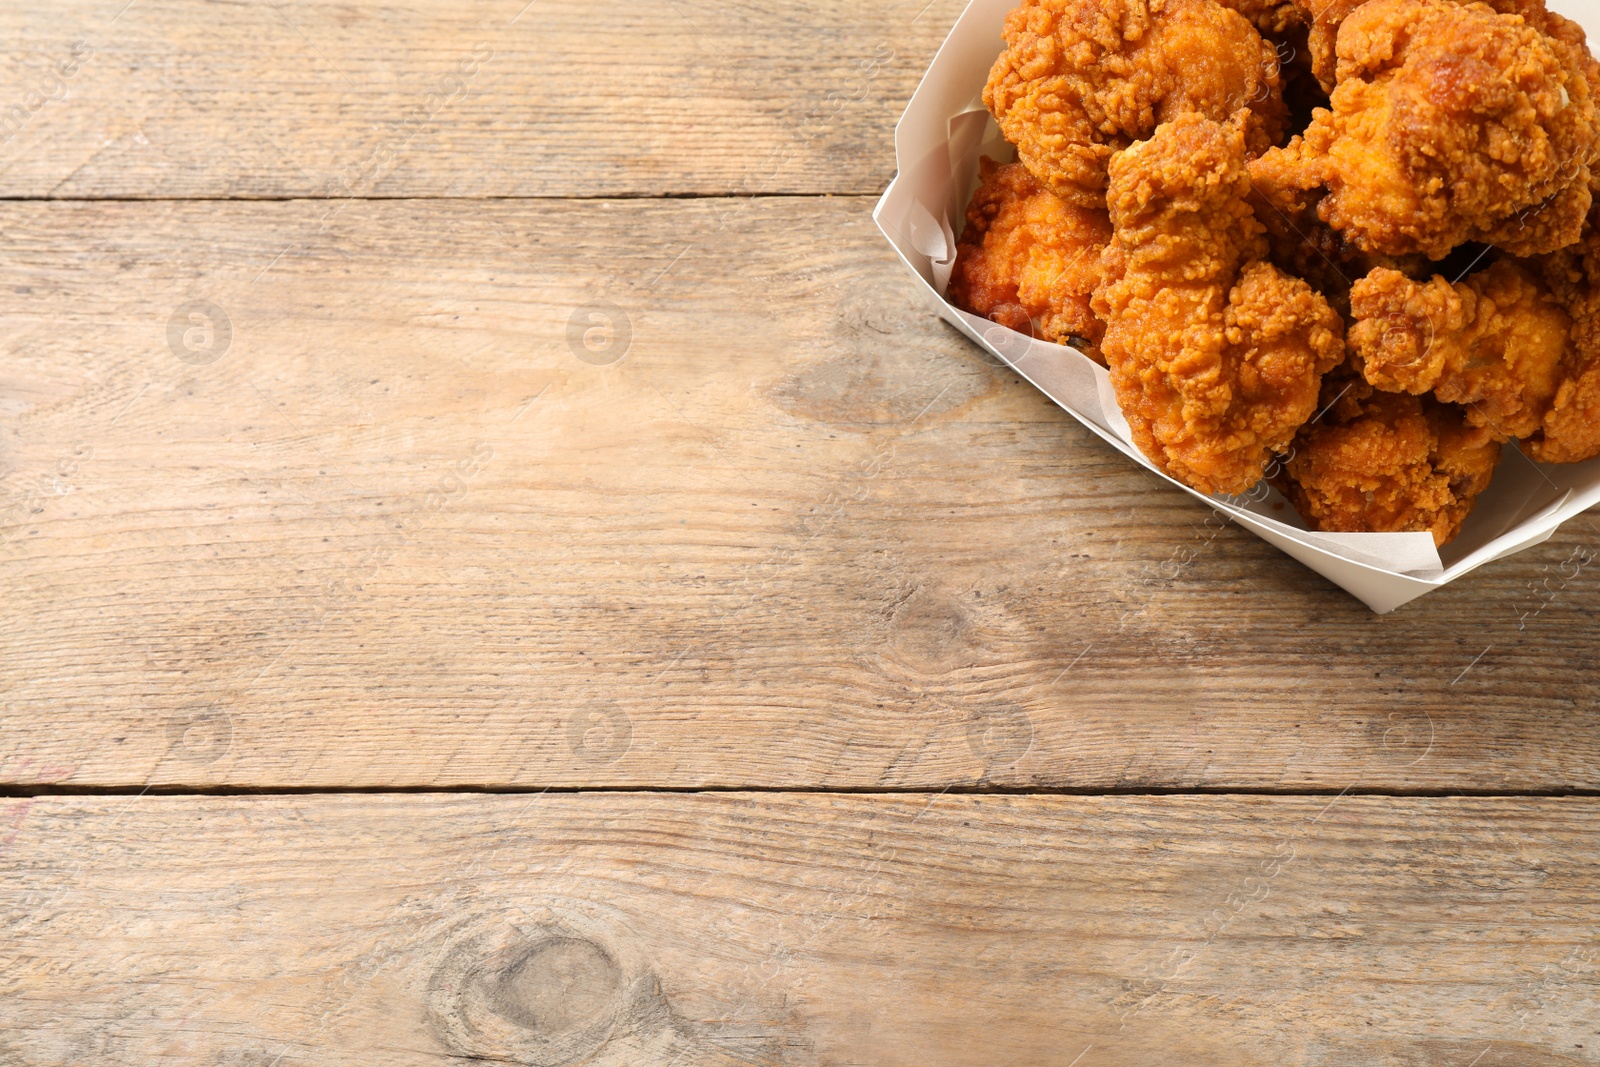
{"points": [[777, 930], [311, 484], [398, 534], [185, 98]]}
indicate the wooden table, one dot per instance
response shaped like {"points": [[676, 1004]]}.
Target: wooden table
{"points": [[499, 564]]}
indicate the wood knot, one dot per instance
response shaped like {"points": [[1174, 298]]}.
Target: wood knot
{"points": [[560, 988], [928, 631], [558, 983], [534, 997]]}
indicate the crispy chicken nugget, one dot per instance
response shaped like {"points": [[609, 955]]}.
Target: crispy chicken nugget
{"points": [[1570, 431], [1495, 342], [1216, 355], [1518, 344], [1326, 16], [1449, 124], [1300, 242], [1080, 79], [1030, 260], [1395, 463]]}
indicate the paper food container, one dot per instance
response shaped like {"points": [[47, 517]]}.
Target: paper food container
{"points": [[944, 131]]}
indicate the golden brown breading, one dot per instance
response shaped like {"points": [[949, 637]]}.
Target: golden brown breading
{"points": [[1287, 26], [1300, 242], [1494, 342], [1215, 354], [1571, 428], [1284, 192], [1395, 463], [1274, 18], [1568, 36], [1450, 124], [1571, 431], [1029, 260], [1324, 17], [1344, 391], [1080, 79]]}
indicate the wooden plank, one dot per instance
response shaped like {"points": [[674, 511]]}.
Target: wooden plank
{"points": [[186, 98], [398, 534], [774, 929]]}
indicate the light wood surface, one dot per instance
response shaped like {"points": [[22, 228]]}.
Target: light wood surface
{"points": [[800, 535], [776, 930], [429, 395], [186, 98]]}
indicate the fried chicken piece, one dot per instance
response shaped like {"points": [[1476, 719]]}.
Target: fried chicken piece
{"points": [[1273, 18], [1080, 79], [1495, 343], [1568, 37], [1287, 25], [1393, 463], [1570, 431], [1215, 354], [1029, 260], [1521, 349], [1324, 17], [1449, 124], [1300, 242], [1344, 391]]}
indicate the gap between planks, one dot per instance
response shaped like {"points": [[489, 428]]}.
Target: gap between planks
{"points": [[11, 792], [264, 199]]}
